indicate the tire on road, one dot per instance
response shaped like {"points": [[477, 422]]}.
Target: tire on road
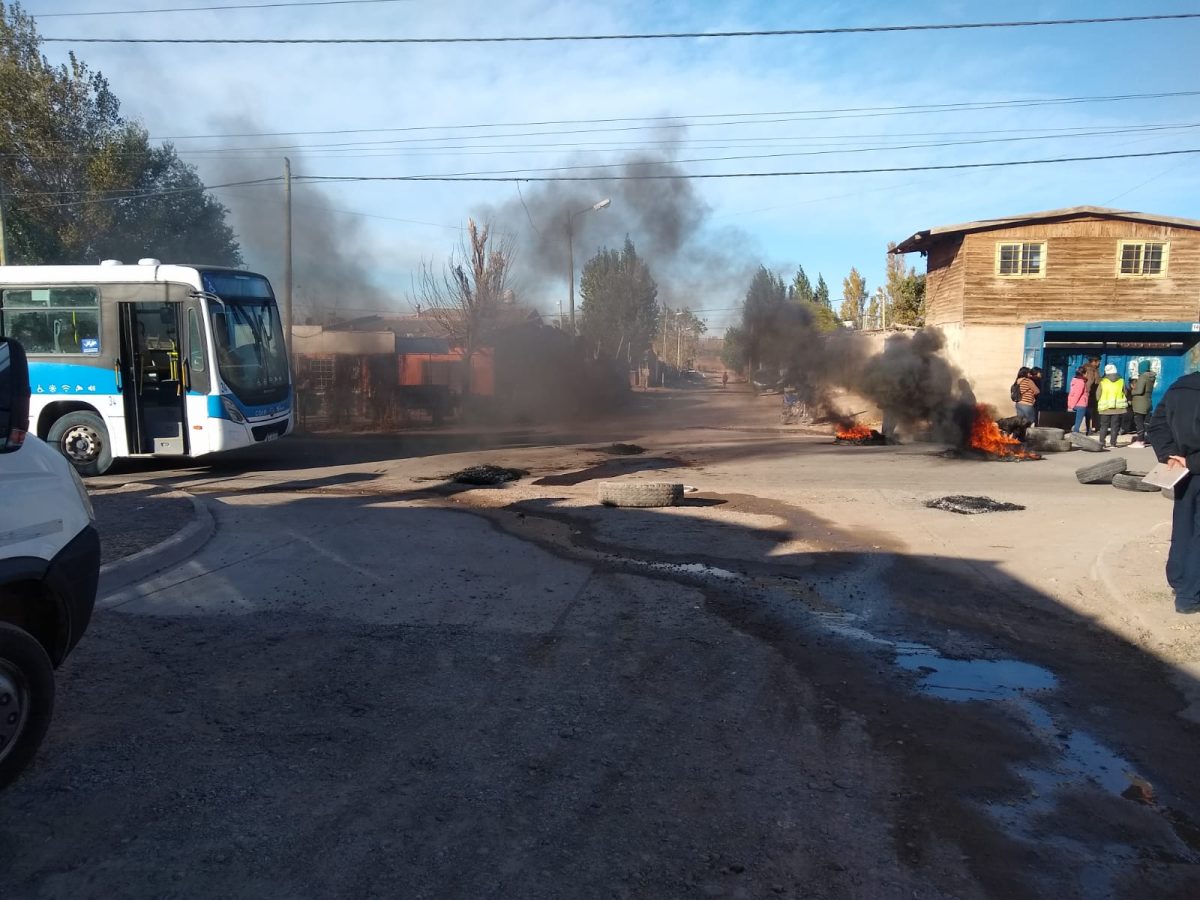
{"points": [[1101, 472], [1044, 434], [26, 699], [640, 494], [82, 438], [1083, 442], [1054, 446], [1132, 481]]}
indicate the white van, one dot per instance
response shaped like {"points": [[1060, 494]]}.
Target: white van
{"points": [[49, 568]]}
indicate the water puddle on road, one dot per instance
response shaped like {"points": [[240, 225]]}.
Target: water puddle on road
{"points": [[1075, 757]]}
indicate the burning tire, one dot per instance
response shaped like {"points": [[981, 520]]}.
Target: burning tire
{"points": [[1132, 481], [640, 494], [1083, 442], [1102, 472]]}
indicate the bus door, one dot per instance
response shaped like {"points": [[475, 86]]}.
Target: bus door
{"points": [[152, 378]]}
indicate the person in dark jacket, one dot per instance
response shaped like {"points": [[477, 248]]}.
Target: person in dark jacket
{"points": [[1093, 383], [1174, 434], [1139, 401]]}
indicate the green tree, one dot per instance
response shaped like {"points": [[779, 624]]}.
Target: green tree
{"points": [[802, 289], [875, 306], [854, 298], [821, 294], [81, 182], [734, 352], [905, 291], [681, 333], [619, 303]]}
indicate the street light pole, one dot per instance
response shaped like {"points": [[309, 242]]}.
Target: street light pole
{"points": [[571, 255]]}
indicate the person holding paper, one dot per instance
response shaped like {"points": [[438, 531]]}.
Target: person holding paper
{"points": [[1174, 433]]}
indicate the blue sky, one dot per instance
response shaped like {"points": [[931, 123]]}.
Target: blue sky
{"points": [[827, 223]]}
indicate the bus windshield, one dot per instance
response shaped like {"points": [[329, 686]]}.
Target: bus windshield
{"points": [[251, 354]]}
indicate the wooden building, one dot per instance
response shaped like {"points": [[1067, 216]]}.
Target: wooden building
{"points": [[1050, 288]]}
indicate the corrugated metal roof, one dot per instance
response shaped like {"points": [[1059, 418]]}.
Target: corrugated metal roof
{"points": [[922, 239]]}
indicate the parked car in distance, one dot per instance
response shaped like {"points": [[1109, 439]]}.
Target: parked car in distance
{"points": [[49, 568]]}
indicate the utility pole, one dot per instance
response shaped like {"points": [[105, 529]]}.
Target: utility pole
{"points": [[287, 260]]}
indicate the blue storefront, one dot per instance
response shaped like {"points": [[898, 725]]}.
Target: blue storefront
{"points": [[1173, 349]]}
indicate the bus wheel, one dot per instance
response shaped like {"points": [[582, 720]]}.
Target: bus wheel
{"points": [[82, 438]]}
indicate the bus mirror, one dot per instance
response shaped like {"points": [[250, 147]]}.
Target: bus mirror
{"points": [[14, 395]]}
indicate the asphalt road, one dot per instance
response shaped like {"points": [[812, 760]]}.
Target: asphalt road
{"points": [[368, 684]]}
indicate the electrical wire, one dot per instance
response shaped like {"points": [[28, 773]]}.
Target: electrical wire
{"points": [[966, 105], [329, 179], [511, 39], [178, 9]]}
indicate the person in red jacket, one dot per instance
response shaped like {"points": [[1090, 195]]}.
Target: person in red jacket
{"points": [[1077, 397]]}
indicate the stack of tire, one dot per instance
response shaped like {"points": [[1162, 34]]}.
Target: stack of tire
{"points": [[1114, 470], [1047, 440]]}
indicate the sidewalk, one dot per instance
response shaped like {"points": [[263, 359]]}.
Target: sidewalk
{"points": [[145, 529]]}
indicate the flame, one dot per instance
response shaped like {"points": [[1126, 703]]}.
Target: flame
{"points": [[987, 437], [854, 432]]}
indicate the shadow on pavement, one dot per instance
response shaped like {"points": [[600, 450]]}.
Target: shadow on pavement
{"points": [[347, 695]]}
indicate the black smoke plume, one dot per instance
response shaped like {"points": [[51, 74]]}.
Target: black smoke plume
{"points": [[693, 262], [331, 258]]}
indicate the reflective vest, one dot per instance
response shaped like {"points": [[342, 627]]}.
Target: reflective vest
{"points": [[1110, 397]]}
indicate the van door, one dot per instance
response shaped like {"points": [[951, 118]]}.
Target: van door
{"points": [[152, 378]]}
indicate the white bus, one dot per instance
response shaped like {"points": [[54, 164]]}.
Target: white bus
{"points": [[148, 359]]}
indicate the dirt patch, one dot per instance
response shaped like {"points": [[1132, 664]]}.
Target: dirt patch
{"points": [[622, 450], [132, 518]]}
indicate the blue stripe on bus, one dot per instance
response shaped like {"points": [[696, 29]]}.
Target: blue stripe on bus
{"points": [[70, 378], [217, 411]]}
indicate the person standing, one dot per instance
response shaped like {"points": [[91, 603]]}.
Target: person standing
{"points": [[1174, 434], [1077, 397], [1141, 397], [725, 379], [1025, 393], [1111, 404], [1093, 385]]}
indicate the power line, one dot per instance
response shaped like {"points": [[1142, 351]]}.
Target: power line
{"points": [[629, 164], [177, 9], [328, 179], [967, 105], [781, 32], [138, 196], [368, 150]]}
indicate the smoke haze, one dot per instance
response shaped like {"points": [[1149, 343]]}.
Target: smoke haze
{"points": [[331, 255], [693, 263]]}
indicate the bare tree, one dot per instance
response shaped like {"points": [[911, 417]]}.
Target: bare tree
{"points": [[469, 296]]}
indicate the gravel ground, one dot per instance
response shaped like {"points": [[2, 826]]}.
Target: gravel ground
{"points": [[134, 517]]}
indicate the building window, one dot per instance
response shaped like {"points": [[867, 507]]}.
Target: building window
{"points": [[1021, 258], [62, 320], [1142, 257]]}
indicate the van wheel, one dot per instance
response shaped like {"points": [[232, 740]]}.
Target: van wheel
{"points": [[26, 699], [82, 438]]}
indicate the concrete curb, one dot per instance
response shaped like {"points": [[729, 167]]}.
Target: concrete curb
{"points": [[122, 573]]}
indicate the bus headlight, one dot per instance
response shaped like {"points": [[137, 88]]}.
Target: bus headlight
{"points": [[231, 410]]}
